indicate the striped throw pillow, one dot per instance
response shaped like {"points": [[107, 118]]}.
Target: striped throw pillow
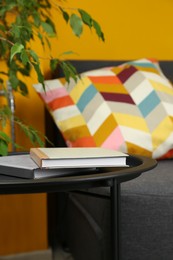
{"points": [[127, 108]]}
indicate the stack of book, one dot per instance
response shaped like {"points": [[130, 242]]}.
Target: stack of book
{"points": [[54, 162]]}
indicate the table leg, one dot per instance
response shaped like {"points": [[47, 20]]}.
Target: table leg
{"points": [[115, 219], [57, 203]]}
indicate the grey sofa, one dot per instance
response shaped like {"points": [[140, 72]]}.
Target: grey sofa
{"points": [[146, 210]]}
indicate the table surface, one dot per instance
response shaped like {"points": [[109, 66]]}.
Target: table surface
{"points": [[98, 177]]}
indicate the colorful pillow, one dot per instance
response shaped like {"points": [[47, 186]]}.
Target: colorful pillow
{"points": [[127, 108]]}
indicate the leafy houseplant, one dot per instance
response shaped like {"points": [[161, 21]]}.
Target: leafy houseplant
{"points": [[21, 23]]}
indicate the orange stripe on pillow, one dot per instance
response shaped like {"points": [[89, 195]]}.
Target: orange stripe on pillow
{"points": [[105, 79], [83, 142], [61, 102], [169, 154]]}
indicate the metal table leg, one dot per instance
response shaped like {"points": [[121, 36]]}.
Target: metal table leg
{"points": [[57, 203], [115, 219]]}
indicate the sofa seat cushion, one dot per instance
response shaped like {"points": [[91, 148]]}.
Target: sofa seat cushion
{"points": [[158, 182]]}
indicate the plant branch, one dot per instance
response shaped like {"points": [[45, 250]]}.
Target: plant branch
{"points": [[6, 40]]}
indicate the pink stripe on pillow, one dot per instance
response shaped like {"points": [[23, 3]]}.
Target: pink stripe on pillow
{"points": [[114, 140], [53, 94]]}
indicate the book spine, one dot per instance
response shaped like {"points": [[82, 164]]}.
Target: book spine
{"points": [[36, 155]]}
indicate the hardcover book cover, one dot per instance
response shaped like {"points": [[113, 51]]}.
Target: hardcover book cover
{"points": [[77, 157]]}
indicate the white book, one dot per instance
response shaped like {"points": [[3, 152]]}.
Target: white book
{"points": [[77, 157], [22, 166]]}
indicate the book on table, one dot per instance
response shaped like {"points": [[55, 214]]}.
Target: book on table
{"points": [[58, 162], [77, 157], [23, 166]]}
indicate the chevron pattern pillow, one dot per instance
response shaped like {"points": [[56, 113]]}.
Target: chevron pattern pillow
{"points": [[127, 108]]}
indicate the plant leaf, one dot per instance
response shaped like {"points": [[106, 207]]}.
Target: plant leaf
{"points": [[2, 28], [24, 57], [4, 141], [16, 48], [30, 132], [76, 24], [34, 56], [53, 64], [23, 88], [39, 74], [13, 80], [48, 29], [65, 15], [98, 30], [3, 147], [5, 137], [69, 71], [86, 18]]}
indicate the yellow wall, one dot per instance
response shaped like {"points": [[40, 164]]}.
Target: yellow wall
{"points": [[133, 29]]}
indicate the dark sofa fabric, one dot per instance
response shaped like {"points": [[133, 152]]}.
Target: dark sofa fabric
{"points": [[146, 219]]}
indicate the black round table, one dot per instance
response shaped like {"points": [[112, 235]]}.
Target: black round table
{"points": [[100, 177]]}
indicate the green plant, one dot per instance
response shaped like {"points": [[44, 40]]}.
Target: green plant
{"points": [[24, 21]]}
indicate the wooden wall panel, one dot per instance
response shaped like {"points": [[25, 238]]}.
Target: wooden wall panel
{"points": [[23, 223]]}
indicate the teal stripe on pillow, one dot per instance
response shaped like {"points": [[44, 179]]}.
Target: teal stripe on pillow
{"points": [[143, 64], [149, 103], [86, 97]]}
